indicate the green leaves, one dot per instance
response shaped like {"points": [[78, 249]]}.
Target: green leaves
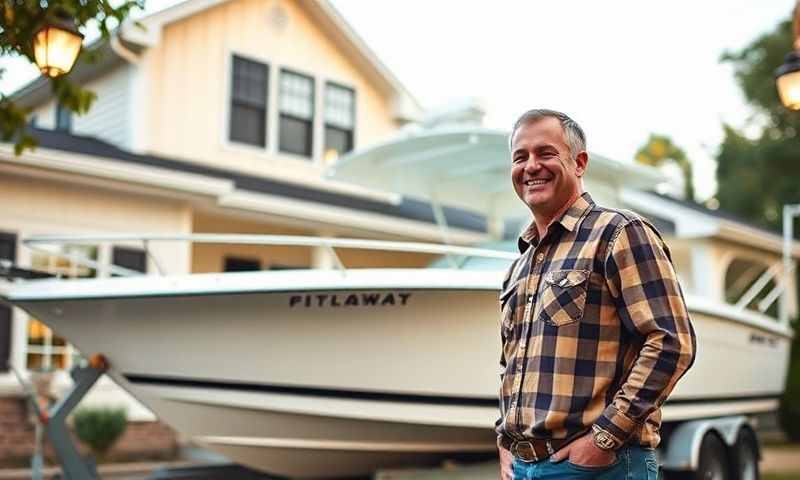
{"points": [[758, 174], [20, 20], [754, 69], [658, 150], [99, 428], [11, 118]]}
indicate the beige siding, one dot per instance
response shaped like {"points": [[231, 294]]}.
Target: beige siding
{"points": [[37, 206], [376, 259], [207, 258], [189, 74]]}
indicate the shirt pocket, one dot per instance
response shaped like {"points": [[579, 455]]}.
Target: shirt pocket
{"points": [[563, 296]]}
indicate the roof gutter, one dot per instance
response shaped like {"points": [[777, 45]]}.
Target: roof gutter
{"points": [[757, 239], [120, 49]]}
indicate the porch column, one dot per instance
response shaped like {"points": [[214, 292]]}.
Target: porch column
{"points": [[321, 257], [707, 279]]}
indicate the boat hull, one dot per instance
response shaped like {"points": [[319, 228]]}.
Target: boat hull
{"points": [[343, 381]]}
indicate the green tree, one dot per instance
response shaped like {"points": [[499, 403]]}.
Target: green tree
{"points": [[660, 149], [758, 174], [20, 20]]}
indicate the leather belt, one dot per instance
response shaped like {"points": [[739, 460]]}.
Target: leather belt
{"points": [[531, 450]]}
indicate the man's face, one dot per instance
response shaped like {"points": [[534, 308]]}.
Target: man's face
{"points": [[544, 174]]}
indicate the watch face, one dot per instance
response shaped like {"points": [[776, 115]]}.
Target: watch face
{"points": [[604, 440]]}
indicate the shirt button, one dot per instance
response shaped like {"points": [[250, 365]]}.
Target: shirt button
{"points": [[540, 257]]}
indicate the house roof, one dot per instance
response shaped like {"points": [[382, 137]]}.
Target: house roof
{"points": [[406, 208], [133, 37], [691, 220], [38, 91], [717, 213]]}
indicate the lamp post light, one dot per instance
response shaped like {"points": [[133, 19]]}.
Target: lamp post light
{"points": [[787, 76], [787, 79], [56, 46]]}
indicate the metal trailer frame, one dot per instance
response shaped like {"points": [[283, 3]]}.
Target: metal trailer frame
{"points": [[52, 422], [682, 449]]}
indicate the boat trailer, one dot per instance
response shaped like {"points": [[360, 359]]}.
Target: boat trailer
{"points": [[52, 422]]}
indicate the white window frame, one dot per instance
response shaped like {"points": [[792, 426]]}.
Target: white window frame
{"points": [[229, 98], [272, 152], [352, 88], [314, 156]]}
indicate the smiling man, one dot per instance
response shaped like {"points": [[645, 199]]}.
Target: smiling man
{"points": [[595, 332]]}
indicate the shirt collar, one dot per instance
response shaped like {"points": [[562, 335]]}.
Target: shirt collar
{"points": [[569, 220]]}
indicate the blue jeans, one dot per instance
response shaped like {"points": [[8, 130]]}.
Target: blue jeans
{"points": [[632, 463]]}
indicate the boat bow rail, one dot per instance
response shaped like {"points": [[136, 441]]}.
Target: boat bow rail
{"points": [[44, 243]]}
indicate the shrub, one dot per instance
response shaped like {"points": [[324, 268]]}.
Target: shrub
{"points": [[99, 428]]}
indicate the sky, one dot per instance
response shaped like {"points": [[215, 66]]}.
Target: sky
{"points": [[622, 69]]}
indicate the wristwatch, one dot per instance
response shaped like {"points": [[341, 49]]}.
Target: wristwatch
{"points": [[602, 439]]}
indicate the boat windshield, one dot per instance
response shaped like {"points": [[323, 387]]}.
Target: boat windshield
{"points": [[479, 263]]}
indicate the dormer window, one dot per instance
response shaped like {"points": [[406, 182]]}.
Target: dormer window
{"points": [[340, 119], [248, 122], [296, 106]]}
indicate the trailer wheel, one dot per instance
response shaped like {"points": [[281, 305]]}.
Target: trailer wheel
{"points": [[713, 462], [745, 453]]}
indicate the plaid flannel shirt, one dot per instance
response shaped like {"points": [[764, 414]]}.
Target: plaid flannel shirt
{"points": [[595, 332]]}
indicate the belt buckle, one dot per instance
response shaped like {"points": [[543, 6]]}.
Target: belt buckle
{"points": [[529, 456]]}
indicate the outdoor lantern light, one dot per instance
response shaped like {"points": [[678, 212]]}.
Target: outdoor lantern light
{"points": [[787, 76], [56, 46]]}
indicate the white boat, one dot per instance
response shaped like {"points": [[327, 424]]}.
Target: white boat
{"points": [[325, 373]]}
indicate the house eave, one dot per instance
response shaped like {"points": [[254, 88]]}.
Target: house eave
{"points": [[38, 91], [693, 222], [405, 107]]}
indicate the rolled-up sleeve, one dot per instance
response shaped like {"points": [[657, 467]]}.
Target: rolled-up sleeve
{"points": [[643, 283]]}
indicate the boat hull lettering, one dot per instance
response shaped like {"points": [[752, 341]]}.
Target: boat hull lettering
{"points": [[355, 299]]}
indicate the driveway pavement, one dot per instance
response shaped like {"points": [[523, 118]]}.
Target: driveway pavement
{"points": [[781, 459], [775, 459]]}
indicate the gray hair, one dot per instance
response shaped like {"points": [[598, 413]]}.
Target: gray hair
{"points": [[573, 133]]}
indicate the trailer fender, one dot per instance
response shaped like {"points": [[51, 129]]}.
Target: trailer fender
{"points": [[682, 451]]}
